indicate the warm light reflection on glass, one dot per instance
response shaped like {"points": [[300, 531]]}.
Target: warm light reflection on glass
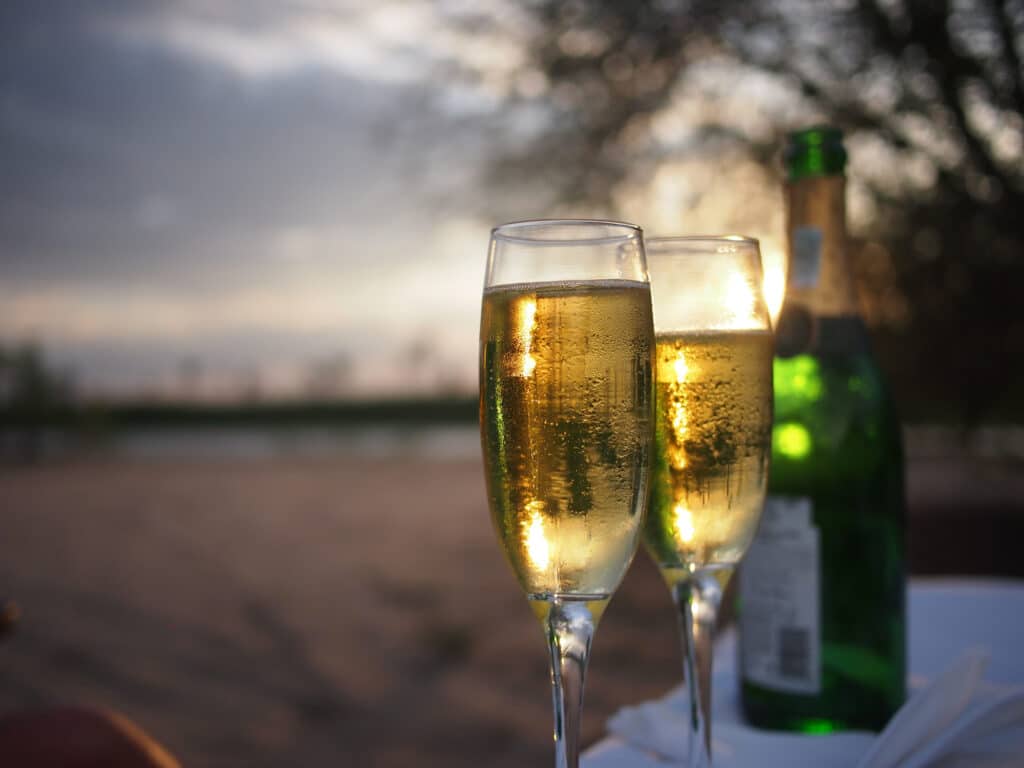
{"points": [[537, 547], [683, 523], [740, 301], [774, 286], [680, 367], [526, 318], [677, 412]]}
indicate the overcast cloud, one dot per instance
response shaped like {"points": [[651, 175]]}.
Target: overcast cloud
{"points": [[255, 185]]}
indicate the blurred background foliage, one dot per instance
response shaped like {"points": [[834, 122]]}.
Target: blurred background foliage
{"points": [[930, 94]]}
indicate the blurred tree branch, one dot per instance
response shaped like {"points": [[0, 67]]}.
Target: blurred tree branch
{"points": [[928, 81]]}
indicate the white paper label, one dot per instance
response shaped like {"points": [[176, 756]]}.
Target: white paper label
{"points": [[780, 604], [806, 263]]}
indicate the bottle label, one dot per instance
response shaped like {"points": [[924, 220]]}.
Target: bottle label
{"points": [[806, 262], [780, 614]]}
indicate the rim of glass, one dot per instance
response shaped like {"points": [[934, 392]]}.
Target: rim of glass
{"points": [[510, 232], [703, 238]]}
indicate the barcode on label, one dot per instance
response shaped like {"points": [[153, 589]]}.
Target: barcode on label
{"points": [[794, 653]]}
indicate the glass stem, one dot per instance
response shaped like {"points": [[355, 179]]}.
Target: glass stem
{"points": [[697, 599], [570, 630]]}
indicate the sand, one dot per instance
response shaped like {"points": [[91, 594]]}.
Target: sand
{"points": [[330, 611], [317, 612]]}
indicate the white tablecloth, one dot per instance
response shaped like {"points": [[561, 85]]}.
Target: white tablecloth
{"points": [[945, 618]]}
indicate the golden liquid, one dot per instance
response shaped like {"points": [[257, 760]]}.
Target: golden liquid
{"points": [[713, 441], [565, 413]]}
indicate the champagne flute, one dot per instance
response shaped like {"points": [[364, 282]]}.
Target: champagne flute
{"points": [[713, 418], [566, 399]]}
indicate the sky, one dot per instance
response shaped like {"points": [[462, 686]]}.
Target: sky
{"points": [[205, 198], [248, 190]]}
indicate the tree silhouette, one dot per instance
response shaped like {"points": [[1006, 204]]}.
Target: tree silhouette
{"points": [[30, 392], [931, 96]]}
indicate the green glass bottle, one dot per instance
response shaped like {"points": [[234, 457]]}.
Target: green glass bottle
{"points": [[822, 589]]}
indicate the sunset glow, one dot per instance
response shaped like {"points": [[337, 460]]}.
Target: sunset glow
{"points": [[322, 252]]}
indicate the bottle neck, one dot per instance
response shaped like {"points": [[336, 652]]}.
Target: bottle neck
{"points": [[819, 279]]}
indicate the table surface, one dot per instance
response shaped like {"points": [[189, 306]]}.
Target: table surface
{"points": [[945, 617]]}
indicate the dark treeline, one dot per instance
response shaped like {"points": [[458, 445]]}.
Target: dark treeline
{"points": [[931, 92]]}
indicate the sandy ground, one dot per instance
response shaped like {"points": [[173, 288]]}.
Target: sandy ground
{"points": [[298, 613], [344, 611]]}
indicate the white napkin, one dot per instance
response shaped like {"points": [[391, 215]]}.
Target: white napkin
{"points": [[955, 722]]}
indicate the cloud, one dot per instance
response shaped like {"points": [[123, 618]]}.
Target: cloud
{"points": [[180, 173], [182, 163], [379, 43]]}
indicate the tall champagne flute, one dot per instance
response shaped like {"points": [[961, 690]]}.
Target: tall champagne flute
{"points": [[713, 418], [566, 402]]}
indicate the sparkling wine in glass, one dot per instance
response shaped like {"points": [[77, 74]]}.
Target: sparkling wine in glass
{"points": [[566, 404], [713, 418]]}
